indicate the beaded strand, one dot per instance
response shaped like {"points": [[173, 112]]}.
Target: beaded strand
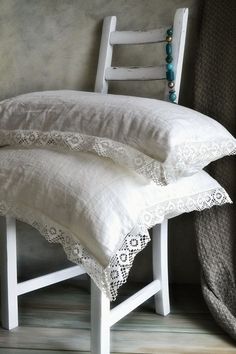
{"points": [[170, 76]]}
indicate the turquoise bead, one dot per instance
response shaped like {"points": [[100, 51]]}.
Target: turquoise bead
{"points": [[169, 66], [172, 96], [168, 49], [169, 59], [170, 31], [170, 76]]}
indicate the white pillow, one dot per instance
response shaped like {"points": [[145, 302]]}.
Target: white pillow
{"points": [[157, 139], [99, 211]]}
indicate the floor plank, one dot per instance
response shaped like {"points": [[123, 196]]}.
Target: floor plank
{"points": [[56, 320], [122, 342]]}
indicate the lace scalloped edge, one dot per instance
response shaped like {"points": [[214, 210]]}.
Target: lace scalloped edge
{"points": [[110, 278], [187, 159]]}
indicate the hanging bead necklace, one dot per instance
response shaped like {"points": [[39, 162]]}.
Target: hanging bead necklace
{"points": [[170, 76]]}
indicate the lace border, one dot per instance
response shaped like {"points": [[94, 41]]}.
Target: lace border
{"points": [[187, 159], [110, 278]]}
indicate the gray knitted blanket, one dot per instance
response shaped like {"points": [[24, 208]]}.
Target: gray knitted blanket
{"points": [[215, 95]]}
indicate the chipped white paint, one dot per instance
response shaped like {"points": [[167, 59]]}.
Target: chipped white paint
{"points": [[105, 54], [138, 37], [135, 73], [110, 36], [178, 44]]}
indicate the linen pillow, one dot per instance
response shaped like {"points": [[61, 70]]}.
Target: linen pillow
{"points": [[98, 211], [158, 139]]}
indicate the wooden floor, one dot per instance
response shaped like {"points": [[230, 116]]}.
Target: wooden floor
{"points": [[56, 320]]}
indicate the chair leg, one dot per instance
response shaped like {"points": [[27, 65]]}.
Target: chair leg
{"points": [[9, 301], [160, 267], [100, 321]]}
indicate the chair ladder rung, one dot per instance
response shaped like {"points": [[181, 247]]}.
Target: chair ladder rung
{"points": [[49, 279], [134, 301], [138, 37], [135, 73]]}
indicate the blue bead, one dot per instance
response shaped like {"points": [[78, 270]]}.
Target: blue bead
{"points": [[169, 66], [168, 49], [169, 59], [170, 76], [170, 31], [172, 96]]}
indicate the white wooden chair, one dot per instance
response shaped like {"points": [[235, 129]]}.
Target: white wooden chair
{"points": [[102, 318]]}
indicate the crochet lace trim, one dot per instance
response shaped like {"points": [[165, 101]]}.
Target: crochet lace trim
{"points": [[111, 277], [187, 158]]}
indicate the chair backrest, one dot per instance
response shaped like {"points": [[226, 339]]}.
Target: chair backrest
{"points": [[111, 37]]}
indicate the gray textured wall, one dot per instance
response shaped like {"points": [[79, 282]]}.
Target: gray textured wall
{"points": [[54, 44]]}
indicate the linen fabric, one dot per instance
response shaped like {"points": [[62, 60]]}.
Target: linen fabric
{"points": [[157, 139], [99, 211]]}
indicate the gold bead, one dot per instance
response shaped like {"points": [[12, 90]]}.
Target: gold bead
{"points": [[168, 39]]}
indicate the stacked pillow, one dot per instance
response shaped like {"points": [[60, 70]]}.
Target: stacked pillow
{"points": [[94, 172], [157, 139], [98, 211]]}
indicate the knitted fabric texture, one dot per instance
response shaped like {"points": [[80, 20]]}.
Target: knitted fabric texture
{"points": [[215, 87]]}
